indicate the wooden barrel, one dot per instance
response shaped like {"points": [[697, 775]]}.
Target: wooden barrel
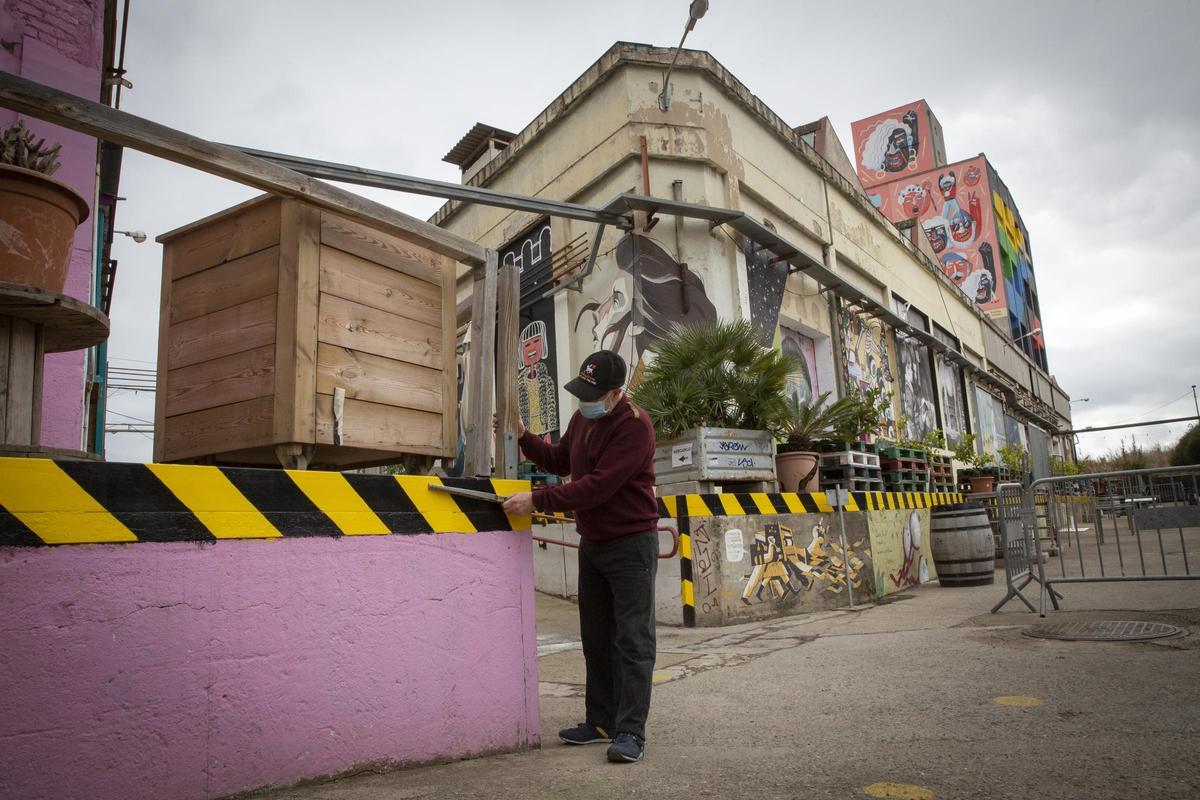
{"points": [[960, 537]]}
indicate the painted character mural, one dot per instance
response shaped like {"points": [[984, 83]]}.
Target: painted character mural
{"points": [[867, 362], [915, 568], [537, 395], [915, 199], [651, 294], [892, 145], [783, 568]]}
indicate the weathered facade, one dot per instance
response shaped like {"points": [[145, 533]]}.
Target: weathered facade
{"points": [[719, 145]]}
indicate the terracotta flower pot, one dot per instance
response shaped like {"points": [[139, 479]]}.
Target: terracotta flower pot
{"points": [[38, 218], [798, 472]]}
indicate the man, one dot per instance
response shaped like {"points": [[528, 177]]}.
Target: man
{"points": [[608, 450]]}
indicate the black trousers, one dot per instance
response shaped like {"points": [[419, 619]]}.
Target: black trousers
{"points": [[616, 623]]}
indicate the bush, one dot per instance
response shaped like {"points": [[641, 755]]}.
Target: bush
{"points": [[1187, 449]]}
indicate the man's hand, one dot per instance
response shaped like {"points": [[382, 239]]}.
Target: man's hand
{"points": [[519, 504], [520, 425]]}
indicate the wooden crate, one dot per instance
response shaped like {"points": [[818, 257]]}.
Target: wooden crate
{"points": [[269, 308]]}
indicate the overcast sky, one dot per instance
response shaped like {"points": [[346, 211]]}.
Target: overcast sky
{"points": [[1090, 111]]}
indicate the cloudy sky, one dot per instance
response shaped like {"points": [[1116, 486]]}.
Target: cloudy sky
{"points": [[1086, 109]]}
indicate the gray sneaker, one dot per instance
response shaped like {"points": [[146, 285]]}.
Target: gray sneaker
{"points": [[627, 747], [584, 733]]}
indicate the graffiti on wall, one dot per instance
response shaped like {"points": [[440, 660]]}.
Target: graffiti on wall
{"points": [[537, 396], [901, 552], [650, 294], [954, 206], [706, 565], [780, 568], [802, 384], [918, 404], [866, 360], [766, 282], [904, 141], [954, 405]]}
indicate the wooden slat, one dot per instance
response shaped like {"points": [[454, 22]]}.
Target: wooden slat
{"points": [[374, 245], [161, 383], [221, 333], [450, 410], [226, 285], [39, 365], [22, 350], [296, 340], [507, 344], [43, 102], [380, 427], [217, 430], [69, 324], [5, 388], [231, 379], [375, 285], [360, 327], [378, 379], [235, 232], [481, 370]]}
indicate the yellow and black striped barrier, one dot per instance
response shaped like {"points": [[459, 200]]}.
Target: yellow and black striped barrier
{"points": [[79, 502]]}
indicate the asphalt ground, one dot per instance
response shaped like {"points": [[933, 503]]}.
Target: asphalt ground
{"points": [[924, 696]]}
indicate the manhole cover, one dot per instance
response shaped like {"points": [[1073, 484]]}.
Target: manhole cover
{"points": [[1103, 631]]}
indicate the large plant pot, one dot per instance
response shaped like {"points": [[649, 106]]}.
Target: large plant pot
{"points": [[715, 454], [38, 218], [799, 471], [982, 483]]}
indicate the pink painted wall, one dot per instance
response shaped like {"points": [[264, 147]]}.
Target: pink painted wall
{"points": [[185, 670], [59, 43]]}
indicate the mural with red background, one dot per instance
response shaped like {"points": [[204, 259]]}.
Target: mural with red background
{"points": [[954, 205], [890, 145]]}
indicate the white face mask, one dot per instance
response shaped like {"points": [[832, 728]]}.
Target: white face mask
{"points": [[593, 410]]}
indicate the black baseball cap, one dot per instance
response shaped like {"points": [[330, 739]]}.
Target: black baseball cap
{"points": [[600, 373]]}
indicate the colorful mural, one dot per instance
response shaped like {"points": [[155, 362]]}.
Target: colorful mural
{"points": [[900, 550], [954, 205], [537, 384], [1016, 259], [867, 361], [905, 140], [537, 394], [649, 295], [918, 397], [803, 384], [780, 568]]}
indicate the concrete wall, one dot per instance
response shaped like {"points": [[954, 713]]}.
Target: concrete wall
{"points": [[187, 670], [58, 43]]}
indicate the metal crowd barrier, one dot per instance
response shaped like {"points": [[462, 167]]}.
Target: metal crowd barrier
{"points": [[1133, 525]]}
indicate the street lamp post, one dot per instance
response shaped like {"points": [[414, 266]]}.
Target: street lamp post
{"points": [[695, 12]]}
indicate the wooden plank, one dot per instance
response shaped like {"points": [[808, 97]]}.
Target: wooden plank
{"points": [[69, 324], [229, 235], [363, 281], [222, 333], [39, 365], [370, 330], [374, 245], [226, 285], [231, 379], [46, 103], [5, 388], [296, 339], [481, 370], [216, 430], [379, 380], [380, 427], [22, 353], [450, 410], [161, 384], [507, 345]]}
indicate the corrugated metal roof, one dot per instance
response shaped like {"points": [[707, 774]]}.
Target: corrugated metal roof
{"points": [[470, 145]]}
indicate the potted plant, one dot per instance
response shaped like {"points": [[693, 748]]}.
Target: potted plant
{"points": [[1015, 460], [976, 459], [865, 415], [718, 400], [38, 215], [797, 461]]}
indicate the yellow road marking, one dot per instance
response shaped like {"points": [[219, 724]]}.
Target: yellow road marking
{"points": [[215, 501], [333, 494], [1018, 701], [899, 791]]}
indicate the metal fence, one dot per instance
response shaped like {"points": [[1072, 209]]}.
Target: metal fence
{"points": [[1135, 525]]}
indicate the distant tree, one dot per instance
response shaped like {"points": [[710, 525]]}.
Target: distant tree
{"points": [[1187, 449]]}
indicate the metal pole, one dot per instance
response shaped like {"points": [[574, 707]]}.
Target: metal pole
{"points": [[845, 548]]}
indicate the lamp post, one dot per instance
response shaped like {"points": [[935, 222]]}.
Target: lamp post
{"points": [[137, 236], [695, 11], [1024, 335], [1195, 401]]}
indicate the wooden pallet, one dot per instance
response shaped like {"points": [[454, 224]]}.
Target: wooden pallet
{"points": [[902, 452], [854, 458], [842, 447], [906, 475], [908, 486], [847, 471], [892, 464], [943, 487]]}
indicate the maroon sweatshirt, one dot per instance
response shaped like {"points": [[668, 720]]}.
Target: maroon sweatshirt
{"points": [[611, 464]]}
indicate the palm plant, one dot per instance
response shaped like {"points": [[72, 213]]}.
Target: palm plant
{"points": [[815, 419], [715, 374]]}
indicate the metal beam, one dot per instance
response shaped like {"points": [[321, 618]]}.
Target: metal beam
{"points": [[361, 176], [1127, 425]]}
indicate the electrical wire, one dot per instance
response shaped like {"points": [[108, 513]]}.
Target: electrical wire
{"points": [[1151, 411]]}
